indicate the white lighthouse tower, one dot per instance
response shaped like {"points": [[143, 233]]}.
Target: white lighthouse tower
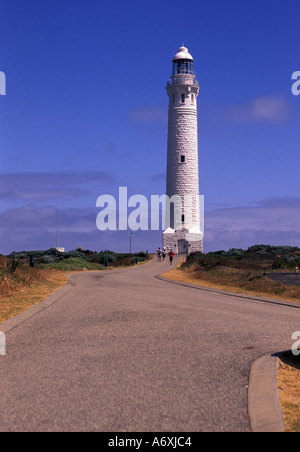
{"points": [[183, 234]]}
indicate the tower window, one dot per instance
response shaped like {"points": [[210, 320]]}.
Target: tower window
{"points": [[173, 97], [183, 98], [183, 159], [192, 99], [182, 218]]}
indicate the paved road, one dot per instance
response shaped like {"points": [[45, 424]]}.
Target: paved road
{"points": [[124, 351]]}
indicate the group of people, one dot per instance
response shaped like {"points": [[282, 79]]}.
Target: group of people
{"points": [[162, 253]]}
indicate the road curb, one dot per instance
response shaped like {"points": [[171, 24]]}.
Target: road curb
{"points": [[263, 397], [276, 301]]}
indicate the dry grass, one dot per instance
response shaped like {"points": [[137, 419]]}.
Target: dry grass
{"points": [[22, 287], [235, 280], [289, 391], [14, 277]]}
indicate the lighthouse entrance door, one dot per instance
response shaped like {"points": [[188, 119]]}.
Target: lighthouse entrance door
{"points": [[182, 247]]}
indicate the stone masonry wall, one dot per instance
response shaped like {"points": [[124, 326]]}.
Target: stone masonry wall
{"points": [[182, 163]]}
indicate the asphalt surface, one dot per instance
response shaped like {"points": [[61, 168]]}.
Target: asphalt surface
{"points": [[123, 351]]}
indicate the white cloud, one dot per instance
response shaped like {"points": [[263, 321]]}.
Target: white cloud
{"points": [[49, 186], [275, 222], [270, 108]]}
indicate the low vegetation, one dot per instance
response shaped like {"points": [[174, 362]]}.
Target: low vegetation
{"points": [[78, 259], [244, 270], [22, 286]]}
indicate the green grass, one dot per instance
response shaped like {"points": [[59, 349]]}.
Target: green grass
{"points": [[73, 264]]}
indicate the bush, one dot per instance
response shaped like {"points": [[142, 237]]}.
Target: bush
{"points": [[143, 254], [48, 260], [19, 255], [236, 252], [286, 262], [74, 254]]}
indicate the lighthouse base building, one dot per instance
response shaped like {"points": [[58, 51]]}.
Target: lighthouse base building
{"points": [[183, 234], [183, 242]]}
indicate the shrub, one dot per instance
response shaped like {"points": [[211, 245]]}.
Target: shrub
{"points": [[143, 254], [19, 255], [74, 254], [48, 260], [235, 252]]}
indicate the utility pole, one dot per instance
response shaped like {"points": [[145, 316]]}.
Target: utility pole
{"points": [[131, 235], [62, 250], [57, 231]]}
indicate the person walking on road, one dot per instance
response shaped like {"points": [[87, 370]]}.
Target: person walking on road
{"points": [[159, 255], [171, 256]]}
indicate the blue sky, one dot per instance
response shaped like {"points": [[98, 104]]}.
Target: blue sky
{"points": [[85, 112]]}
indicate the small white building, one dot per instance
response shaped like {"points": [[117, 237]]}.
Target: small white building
{"points": [[60, 249], [183, 234]]}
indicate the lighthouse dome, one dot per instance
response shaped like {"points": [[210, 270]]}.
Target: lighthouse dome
{"points": [[183, 54], [183, 63]]}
